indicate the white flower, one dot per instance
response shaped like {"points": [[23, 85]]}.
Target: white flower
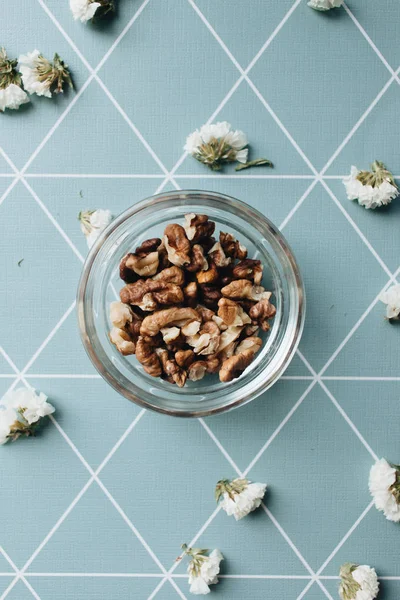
{"points": [[392, 298], [12, 97], [384, 485], [203, 570], [11, 93], [39, 75], [371, 188], [84, 10], [239, 496], [32, 406], [28, 67], [216, 144], [93, 223], [324, 5], [358, 582], [8, 417], [20, 412]]}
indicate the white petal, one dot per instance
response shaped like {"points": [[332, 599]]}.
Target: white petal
{"points": [[237, 139], [83, 9], [198, 586], [214, 130], [12, 97], [241, 155], [193, 141], [366, 577], [100, 218], [7, 417]]}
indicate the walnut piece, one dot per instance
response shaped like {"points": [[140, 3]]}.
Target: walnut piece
{"points": [[235, 365], [229, 336], [178, 375], [125, 273], [218, 256], [210, 294], [160, 292], [122, 340], [205, 342], [190, 293], [213, 364], [232, 247], [249, 269], [191, 328], [261, 312], [251, 343], [133, 328], [244, 289], [232, 313], [251, 330], [169, 294], [147, 356], [220, 322], [198, 261], [206, 314], [148, 246], [198, 227], [120, 314], [209, 340], [177, 245], [170, 334], [144, 266], [152, 324], [163, 257], [170, 275], [197, 370], [184, 358], [208, 276], [227, 351]]}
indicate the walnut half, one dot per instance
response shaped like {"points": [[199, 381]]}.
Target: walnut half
{"points": [[235, 365]]}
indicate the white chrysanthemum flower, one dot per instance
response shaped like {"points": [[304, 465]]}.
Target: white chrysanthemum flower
{"points": [[371, 188], [239, 496], [324, 5], [392, 298], [216, 144], [8, 420], [384, 485], [85, 10], [32, 406], [20, 413], [11, 93], [358, 582], [203, 569], [42, 77], [93, 223]]}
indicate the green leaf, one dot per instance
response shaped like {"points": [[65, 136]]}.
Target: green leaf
{"points": [[258, 162]]}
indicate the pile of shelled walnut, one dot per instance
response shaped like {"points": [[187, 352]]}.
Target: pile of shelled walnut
{"points": [[191, 305]]}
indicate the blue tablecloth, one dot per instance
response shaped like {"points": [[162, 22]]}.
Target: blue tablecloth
{"points": [[97, 506]]}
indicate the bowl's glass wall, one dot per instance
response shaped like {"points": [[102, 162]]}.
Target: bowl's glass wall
{"points": [[100, 284]]}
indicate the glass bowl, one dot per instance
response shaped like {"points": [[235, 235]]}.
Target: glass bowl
{"points": [[100, 285]]}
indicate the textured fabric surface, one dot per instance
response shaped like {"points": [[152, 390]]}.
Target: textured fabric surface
{"points": [[97, 507]]}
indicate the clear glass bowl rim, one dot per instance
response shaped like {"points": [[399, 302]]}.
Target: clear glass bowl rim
{"points": [[224, 201]]}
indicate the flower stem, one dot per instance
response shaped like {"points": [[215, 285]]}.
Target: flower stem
{"points": [[258, 162]]}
